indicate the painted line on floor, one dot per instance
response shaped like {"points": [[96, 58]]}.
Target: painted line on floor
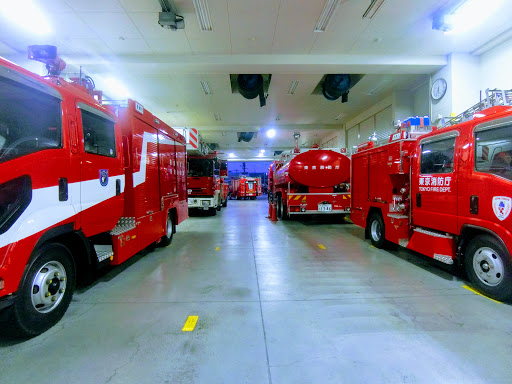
{"points": [[190, 324], [479, 294], [321, 246], [217, 248]]}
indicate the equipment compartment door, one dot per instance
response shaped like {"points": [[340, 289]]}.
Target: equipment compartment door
{"points": [[434, 184]]}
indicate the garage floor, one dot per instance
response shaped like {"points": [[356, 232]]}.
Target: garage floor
{"points": [[274, 306]]}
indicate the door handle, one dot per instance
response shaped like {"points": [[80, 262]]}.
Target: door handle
{"points": [[473, 205], [418, 200]]}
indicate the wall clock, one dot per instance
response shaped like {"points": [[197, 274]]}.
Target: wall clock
{"points": [[438, 89]]}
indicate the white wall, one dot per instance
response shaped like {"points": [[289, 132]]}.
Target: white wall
{"points": [[495, 67]]}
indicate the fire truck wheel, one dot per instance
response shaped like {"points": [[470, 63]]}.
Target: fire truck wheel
{"points": [[225, 203], [219, 205], [488, 267], [279, 207], [376, 230], [45, 291], [213, 211], [169, 231]]}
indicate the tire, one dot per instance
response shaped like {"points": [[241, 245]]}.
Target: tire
{"points": [[45, 291], [376, 229], [213, 211], [284, 211], [488, 266], [219, 205], [170, 228], [279, 203], [225, 203]]}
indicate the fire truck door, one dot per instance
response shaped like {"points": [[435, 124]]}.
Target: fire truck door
{"points": [[434, 183], [101, 170]]}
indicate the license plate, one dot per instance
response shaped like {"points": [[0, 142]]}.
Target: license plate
{"points": [[205, 203], [324, 207]]}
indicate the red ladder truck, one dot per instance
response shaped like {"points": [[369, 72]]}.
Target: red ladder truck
{"points": [[79, 188], [446, 194]]}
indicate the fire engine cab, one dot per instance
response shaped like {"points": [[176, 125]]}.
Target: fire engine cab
{"points": [[81, 186], [446, 194]]}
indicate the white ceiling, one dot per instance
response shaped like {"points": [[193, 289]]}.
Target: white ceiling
{"points": [[162, 69]]}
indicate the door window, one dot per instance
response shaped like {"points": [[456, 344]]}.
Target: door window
{"points": [[493, 151], [99, 135], [437, 157]]}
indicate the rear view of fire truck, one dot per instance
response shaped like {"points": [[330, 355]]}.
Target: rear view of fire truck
{"points": [[73, 189], [311, 181], [446, 194]]}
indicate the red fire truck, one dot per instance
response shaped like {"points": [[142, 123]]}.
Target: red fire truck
{"points": [[244, 187], [311, 181], [204, 184], [446, 194], [79, 188], [224, 182]]}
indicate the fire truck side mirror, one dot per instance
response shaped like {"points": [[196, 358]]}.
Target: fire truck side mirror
{"points": [[126, 153]]}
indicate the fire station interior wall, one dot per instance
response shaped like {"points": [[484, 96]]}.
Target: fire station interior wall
{"points": [[378, 120], [494, 64], [421, 97]]}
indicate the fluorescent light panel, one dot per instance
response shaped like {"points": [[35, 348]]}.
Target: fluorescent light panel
{"points": [[27, 15], [372, 9], [326, 15], [293, 87], [203, 15], [206, 87], [378, 88], [340, 116]]}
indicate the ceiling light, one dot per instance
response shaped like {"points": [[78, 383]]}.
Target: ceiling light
{"points": [[378, 87], [115, 89], [27, 16], [217, 117], [340, 116], [271, 133], [372, 9], [326, 15], [260, 154], [203, 15], [464, 15], [206, 87], [232, 155], [293, 87], [262, 151]]}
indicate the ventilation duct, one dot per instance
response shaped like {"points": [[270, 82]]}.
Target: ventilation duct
{"points": [[245, 136], [335, 86], [251, 86]]}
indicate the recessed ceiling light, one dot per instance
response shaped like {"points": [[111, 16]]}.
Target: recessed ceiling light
{"points": [[326, 15], [271, 133], [262, 150], [206, 87], [293, 87], [340, 116], [231, 155], [372, 9], [203, 15]]}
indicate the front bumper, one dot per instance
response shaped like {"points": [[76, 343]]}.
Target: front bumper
{"points": [[201, 202]]}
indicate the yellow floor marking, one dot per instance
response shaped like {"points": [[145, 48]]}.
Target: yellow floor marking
{"points": [[321, 246], [217, 248], [479, 294], [190, 324]]}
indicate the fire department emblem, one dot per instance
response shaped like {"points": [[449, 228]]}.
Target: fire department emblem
{"points": [[501, 205], [103, 177]]}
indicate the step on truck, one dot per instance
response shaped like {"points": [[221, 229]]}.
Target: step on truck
{"points": [[446, 193], [81, 186]]}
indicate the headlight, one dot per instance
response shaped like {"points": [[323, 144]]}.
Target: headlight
{"points": [[15, 196]]}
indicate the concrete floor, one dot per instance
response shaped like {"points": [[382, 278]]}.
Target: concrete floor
{"points": [[273, 307]]}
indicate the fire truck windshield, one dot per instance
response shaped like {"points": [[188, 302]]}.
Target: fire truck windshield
{"points": [[494, 151], [200, 168], [30, 121]]}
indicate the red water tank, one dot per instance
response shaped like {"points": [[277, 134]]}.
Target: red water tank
{"points": [[320, 168]]}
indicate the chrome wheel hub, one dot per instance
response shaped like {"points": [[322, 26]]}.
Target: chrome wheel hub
{"points": [[488, 266], [48, 287], [376, 230]]}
